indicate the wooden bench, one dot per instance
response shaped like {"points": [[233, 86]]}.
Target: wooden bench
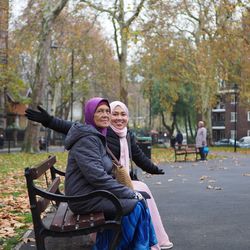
{"points": [[64, 223], [185, 150]]}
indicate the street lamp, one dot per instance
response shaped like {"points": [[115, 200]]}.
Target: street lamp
{"points": [[235, 89], [54, 46]]}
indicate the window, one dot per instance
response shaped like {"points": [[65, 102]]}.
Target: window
{"points": [[233, 99], [222, 84], [233, 116], [248, 132], [233, 134], [248, 116]]}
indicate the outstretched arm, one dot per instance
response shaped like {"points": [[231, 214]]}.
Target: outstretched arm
{"points": [[47, 120], [141, 160]]}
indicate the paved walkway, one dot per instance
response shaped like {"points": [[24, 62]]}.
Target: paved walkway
{"points": [[204, 206], [18, 149]]}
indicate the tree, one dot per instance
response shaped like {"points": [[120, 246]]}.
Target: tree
{"points": [[95, 70], [121, 27], [217, 36], [41, 71], [4, 19], [207, 37]]}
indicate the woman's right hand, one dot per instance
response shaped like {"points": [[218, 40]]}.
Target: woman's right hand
{"points": [[138, 196]]}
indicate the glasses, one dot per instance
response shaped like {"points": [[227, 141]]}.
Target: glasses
{"points": [[102, 111]]}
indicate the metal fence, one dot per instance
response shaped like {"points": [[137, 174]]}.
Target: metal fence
{"points": [[12, 141]]}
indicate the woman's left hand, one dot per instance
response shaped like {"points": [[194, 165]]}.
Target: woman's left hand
{"points": [[159, 171]]}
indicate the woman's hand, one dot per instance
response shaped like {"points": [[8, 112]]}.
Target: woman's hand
{"points": [[41, 116], [138, 196], [158, 171]]}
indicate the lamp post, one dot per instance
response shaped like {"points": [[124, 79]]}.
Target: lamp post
{"points": [[235, 88]]}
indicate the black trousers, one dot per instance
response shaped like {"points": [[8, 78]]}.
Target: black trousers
{"points": [[202, 154]]}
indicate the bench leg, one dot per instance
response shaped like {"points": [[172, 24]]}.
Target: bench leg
{"points": [[40, 243]]}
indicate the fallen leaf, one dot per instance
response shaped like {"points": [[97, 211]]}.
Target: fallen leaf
{"points": [[203, 177], [19, 225], [26, 240], [246, 174]]}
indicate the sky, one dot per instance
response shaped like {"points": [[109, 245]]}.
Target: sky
{"points": [[17, 6]]}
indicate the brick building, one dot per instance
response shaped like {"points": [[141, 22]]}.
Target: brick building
{"points": [[230, 117]]}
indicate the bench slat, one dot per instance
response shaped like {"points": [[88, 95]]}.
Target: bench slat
{"points": [[40, 169], [42, 202], [58, 219], [70, 221], [180, 152], [91, 220]]}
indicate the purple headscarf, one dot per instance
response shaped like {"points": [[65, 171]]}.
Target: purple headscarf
{"points": [[89, 111]]}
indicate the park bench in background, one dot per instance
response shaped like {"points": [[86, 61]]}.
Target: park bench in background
{"points": [[64, 223], [185, 150]]}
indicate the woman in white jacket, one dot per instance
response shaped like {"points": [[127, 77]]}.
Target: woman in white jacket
{"points": [[201, 139]]}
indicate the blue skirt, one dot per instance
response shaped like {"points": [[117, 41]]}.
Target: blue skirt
{"points": [[137, 232]]}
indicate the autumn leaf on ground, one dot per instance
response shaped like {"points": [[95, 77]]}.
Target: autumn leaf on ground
{"points": [[26, 240], [204, 177], [246, 174]]}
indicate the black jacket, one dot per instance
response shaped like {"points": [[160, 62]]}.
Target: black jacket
{"points": [[139, 158], [89, 169]]}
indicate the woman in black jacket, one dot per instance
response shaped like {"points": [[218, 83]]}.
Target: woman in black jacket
{"points": [[123, 145], [119, 121]]}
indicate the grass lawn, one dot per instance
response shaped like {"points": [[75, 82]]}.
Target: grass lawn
{"points": [[15, 217]]}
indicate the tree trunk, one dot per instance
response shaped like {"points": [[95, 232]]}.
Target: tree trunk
{"points": [[170, 132], [209, 126], [32, 131], [4, 21], [186, 126], [123, 55], [190, 126]]}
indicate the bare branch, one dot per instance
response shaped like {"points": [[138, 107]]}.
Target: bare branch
{"points": [[189, 12], [99, 8], [116, 39], [183, 30], [132, 18], [58, 8]]}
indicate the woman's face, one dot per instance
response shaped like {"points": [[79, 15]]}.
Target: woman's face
{"points": [[102, 116], [119, 118]]}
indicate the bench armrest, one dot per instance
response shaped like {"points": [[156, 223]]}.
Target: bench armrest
{"points": [[64, 198], [57, 171]]}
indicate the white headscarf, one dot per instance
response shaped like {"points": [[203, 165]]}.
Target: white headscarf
{"points": [[122, 133]]}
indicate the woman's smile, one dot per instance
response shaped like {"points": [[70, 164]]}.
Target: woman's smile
{"points": [[119, 118]]}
